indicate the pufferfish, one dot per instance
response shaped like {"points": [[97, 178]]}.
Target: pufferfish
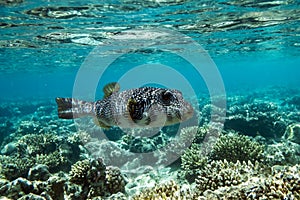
{"points": [[143, 107]]}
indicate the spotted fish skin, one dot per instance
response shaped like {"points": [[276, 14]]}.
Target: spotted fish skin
{"points": [[134, 108]]}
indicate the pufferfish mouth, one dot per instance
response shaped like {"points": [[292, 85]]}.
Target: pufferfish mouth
{"points": [[181, 115], [187, 113]]}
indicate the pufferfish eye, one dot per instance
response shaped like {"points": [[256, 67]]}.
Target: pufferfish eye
{"points": [[167, 97]]}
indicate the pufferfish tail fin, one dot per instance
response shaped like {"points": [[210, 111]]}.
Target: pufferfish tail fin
{"points": [[69, 108]]}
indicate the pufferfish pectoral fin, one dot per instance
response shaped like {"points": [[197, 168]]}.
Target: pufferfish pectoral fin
{"points": [[110, 88], [101, 124], [136, 112]]}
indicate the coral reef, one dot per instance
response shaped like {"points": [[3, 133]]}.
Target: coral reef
{"points": [[293, 101], [96, 179], [170, 190], [256, 118], [222, 173], [281, 183], [39, 172], [42, 157], [48, 149], [192, 161], [282, 153], [236, 147], [21, 188], [193, 134], [284, 183]]}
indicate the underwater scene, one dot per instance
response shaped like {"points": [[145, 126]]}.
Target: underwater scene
{"points": [[149, 99]]}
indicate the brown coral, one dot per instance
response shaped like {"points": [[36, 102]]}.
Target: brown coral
{"points": [[192, 161], [114, 180], [170, 190], [236, 147], [96, 179], [222, 173]]}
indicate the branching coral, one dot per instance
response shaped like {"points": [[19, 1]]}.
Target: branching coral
{"points": [[54, 161], [284, 183], [222, 173], [79, 171], [281, 183], [39, 144], [192, 161], [13, 168], [193, 134], [170, 190], [236, 147], [96, 179], [256, 117], [32, 149], [114, 180]]}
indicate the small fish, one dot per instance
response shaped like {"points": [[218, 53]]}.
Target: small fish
{"points": [[135, 108]]}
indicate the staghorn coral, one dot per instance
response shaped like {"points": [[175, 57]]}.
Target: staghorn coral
{"points": [[192, 161], [222, 173], [96, 179], [236, 147], [170, 190]]}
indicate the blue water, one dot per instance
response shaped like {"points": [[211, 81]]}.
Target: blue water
{"points": [[257, 45]]}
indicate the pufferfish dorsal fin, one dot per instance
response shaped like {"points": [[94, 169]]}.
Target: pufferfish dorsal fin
{"points": [[110, 88]]}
